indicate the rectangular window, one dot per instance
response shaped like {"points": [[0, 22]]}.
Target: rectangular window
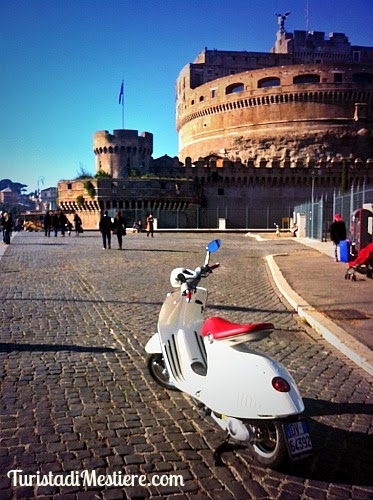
{"points": [[213, 93], [337, 77], [220, 191], [69, 186], [356, 55]]}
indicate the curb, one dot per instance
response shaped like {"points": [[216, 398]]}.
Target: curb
{"points": [[332, 333]]}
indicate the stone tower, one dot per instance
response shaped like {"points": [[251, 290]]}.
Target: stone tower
{"points": [[122, 151]]}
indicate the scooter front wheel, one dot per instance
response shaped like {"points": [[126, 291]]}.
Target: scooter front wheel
{"points": [[159, 372], [269, 444]]}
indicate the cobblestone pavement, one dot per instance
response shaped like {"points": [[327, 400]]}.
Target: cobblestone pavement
{"points": [[76, 395]]}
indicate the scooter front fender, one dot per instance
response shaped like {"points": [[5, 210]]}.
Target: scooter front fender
{"points": [[153, 345]]}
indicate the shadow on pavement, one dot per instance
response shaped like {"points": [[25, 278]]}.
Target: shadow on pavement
{"points": [[10, 347]]}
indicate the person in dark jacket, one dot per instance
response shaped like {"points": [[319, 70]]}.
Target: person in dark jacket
{"points": [[119, 228], [55, 223], [77, 224], [63, 222], [47, 222], [338, 233], [105, 227], [7, 223]]}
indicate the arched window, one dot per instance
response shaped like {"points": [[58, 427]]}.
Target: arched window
{"points": [[306, 79], [269, 82], [234, 88]]}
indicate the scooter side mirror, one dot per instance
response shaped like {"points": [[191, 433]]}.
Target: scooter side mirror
{"points": [[213, 246]]}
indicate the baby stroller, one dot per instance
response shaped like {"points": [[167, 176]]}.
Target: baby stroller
{"points": [[363, 264]]}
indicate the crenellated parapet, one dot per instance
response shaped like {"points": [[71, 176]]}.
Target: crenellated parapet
{"points": [[323, 173], [122, 152]]}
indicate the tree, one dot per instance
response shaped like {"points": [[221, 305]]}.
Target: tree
{"points": [[83, 173]]}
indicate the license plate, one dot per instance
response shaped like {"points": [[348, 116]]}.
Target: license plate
{"points": [[298, 439]]}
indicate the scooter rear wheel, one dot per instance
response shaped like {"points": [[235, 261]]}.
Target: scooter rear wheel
{"points": [[269, 445], [159, 372]]}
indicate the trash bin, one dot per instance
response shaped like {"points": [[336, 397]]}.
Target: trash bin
{"points": [[344, 250]]}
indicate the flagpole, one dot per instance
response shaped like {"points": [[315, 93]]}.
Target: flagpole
{"points": [[121, 101], [123, 111]]}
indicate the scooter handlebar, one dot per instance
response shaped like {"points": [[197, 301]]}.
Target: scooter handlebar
{"points": [[188, 287]]}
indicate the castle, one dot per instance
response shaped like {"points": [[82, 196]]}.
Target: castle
{"points": [[258, 132], [309, 97]]}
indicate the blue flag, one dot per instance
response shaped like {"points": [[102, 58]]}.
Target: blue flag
{"points": [[121, 96]]}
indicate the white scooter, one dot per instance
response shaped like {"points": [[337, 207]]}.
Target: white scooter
{"points": [[250, 396]]}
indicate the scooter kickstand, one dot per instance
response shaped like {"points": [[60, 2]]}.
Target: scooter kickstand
{"points": [[224, 446]]}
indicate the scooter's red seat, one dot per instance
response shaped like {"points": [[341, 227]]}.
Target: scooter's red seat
{"points": [[220, 328]]}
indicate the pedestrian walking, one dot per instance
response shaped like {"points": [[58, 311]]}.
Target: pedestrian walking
{"points": [[55, 223], [19, 224], [7, 223], [105, 227], [69, 227], [77, 224], [119, 228], [150, 226], [338, 233], [63, 221], [47, 222]]}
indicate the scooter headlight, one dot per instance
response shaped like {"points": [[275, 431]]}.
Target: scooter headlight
{"points": [[174, 280]]}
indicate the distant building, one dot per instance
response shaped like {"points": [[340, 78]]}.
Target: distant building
{"points": [[8, 197], [48, 198]]}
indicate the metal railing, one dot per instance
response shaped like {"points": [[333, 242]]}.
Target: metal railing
{"points": [[194, 217], [320, 213]]}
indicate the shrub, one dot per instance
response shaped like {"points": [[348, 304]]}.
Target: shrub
{"points": [[89, 187], [80, 201]]}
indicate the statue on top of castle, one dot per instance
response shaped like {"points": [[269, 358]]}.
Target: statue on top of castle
{"points": [[281, 21]]}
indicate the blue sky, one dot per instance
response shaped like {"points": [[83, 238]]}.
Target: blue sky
{"points": [[62, 63]]}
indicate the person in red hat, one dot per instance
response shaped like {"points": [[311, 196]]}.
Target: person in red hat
{"points": [[338, 233]]}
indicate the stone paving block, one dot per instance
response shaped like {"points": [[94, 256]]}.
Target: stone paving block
{"points": [[75, 392]]}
